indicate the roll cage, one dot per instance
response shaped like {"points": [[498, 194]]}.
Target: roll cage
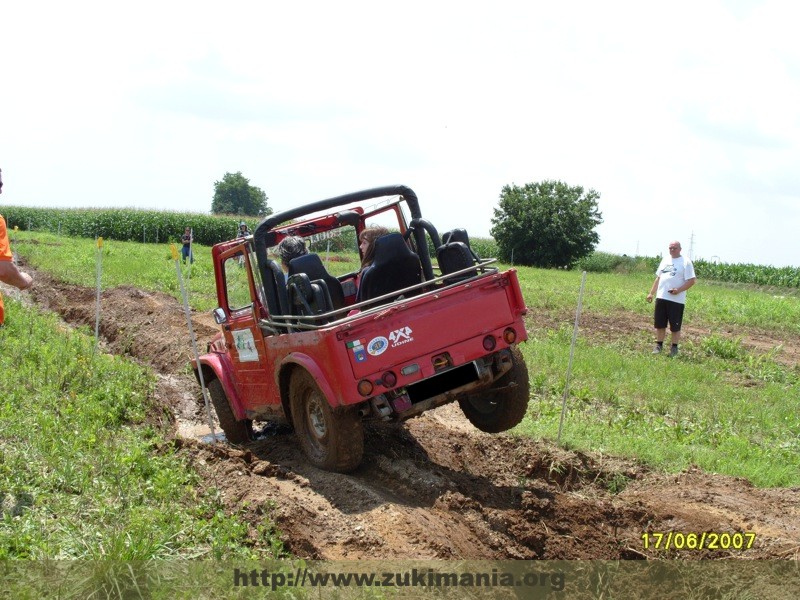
{"points": [[299, 221]]}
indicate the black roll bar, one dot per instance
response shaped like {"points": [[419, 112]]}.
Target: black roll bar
{"points": [[264, 237]]}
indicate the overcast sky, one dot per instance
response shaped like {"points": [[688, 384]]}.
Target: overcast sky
{"points": [[684, 116]]}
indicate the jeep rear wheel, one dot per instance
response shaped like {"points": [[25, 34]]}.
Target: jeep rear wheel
{"points": [[503, 405], [237, 432], [331, 439]]}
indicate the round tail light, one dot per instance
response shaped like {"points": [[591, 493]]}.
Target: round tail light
{"points": [[509, 336], [489, 343], [365, 387], [389, 379]]}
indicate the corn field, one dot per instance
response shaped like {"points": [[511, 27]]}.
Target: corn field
{"points": [[152, 226], [146, 226], [748, 273]]}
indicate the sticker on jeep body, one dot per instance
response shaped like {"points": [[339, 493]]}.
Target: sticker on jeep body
{"points": [[401, 336], [377, 346], [358, 350], [245, 345]]}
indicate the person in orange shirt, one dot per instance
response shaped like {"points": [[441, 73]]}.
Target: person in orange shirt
{"points": [[9, 273]]}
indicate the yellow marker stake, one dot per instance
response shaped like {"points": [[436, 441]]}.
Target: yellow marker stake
{"points": [[99, 262], [174, 251]]}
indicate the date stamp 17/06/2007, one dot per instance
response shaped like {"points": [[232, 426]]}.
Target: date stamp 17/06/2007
{"points": [[706, 540]]}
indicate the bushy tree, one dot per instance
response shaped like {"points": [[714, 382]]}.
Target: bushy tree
{"points": [[235, 196], [546, 224]]}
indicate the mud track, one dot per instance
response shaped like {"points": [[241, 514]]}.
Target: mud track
{"points": [[434, 487]]}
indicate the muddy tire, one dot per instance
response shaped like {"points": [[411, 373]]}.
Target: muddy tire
{"points": [[237, 432], [331, 439], [503, 405]]}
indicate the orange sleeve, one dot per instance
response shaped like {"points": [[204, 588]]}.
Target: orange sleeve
{"points": [[5, 247]]}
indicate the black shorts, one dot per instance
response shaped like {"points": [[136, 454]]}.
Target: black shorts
{"points": [[670, 312]]}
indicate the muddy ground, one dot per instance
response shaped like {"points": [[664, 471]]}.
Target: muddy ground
{"points": [[435, 487]]}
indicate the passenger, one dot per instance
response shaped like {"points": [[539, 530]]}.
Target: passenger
{"points": [[290, 247], [366, 245]]}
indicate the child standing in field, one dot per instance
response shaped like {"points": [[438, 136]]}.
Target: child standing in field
{"points": [[9, 273], [186, 250]]}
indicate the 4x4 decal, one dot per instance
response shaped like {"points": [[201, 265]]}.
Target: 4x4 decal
{"points": [[401, 336]]}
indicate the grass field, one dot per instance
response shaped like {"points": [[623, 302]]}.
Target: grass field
{"points": [[75, 421], [85, 469], [719, 405]]}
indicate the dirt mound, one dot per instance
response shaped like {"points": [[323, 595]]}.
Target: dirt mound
{"points": [[433, 487], [148, 326]]}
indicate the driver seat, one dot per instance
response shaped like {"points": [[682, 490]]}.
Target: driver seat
{"points": [[311, 265]]}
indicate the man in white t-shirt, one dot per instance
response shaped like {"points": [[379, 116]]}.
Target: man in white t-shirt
{"points": [[675, 275]]}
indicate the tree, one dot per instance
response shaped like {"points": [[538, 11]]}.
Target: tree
{"points": [[546, 224], [235, 196]]}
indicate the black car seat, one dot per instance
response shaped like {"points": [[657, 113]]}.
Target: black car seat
{"points": [[455, 254], [311, 265], [275, 290], [308, 298], [395, 267]]}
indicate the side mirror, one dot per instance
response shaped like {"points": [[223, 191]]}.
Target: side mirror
{"points": [[219, 316]]}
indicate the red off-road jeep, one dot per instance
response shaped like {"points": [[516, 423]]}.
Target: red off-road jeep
{"points": [[325, 353]]}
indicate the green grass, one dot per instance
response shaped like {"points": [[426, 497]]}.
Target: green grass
{"points": [[734, 416], [84, 471], [146, 266], [718, 405]]}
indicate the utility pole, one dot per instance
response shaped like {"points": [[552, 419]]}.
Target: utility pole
{"points": [[691, 246]]}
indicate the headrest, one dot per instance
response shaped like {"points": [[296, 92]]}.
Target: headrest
{"points": [[390, 247], [310, 264], [456, 235]]}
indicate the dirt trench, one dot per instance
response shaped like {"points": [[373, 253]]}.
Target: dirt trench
{"points": [[434, 487]]}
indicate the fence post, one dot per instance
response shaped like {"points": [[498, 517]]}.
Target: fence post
{"points": [[571, 356], [14, 256], [99, 273], [188, 313]]}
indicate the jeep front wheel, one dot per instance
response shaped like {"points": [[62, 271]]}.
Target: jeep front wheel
{"points": [[503, 405], [331, 439], [237, 432]]}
